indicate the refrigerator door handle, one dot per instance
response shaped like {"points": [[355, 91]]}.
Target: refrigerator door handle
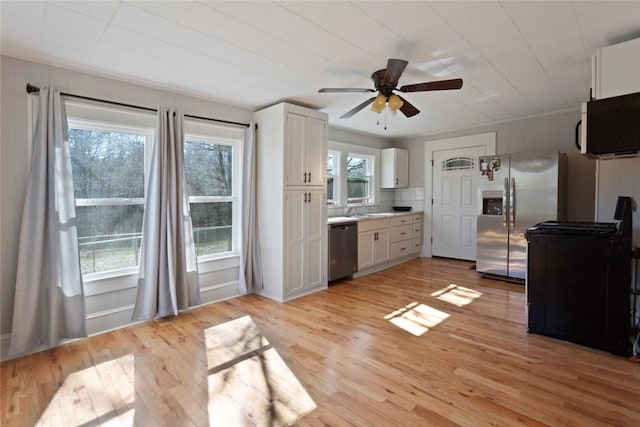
{"points": [[504, 202], [512, 203]]}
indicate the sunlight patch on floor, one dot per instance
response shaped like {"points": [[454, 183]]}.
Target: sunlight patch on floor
{"points": [[249, 383], [457, 295], [416, 318], [86, 397]]}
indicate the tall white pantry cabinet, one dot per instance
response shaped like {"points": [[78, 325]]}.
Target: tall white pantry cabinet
{"points": [[291, 156]]}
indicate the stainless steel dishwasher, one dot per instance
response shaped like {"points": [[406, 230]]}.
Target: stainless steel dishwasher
{"points": [[343, 250]]}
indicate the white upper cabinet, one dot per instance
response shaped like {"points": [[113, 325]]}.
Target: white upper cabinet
{"points": [[394, 168], [306, 150], [616, 70]]}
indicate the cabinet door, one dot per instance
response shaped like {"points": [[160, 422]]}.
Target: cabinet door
{"points": [[366, 249], [401, 168], [295, 231], [394, 168], [294, 149], [316, 152], [382, 251], [315, 229]]}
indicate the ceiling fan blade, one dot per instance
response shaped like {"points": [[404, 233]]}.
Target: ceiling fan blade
{"points": [[358, 108], [439, 85], [408, 109], [344, 89], [394, 70]]}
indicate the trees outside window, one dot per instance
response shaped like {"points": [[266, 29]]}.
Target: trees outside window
{"points": [[108, 165], [359, 175], [209, 171], [110, 157]]}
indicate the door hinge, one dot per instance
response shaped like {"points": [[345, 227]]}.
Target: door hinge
{"points": [[432, 162], [432, 240], [432, 201]]}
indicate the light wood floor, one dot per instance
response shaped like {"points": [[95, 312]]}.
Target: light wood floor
{"points": [[468, 360]]}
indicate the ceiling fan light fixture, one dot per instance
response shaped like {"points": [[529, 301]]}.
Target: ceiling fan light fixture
{"points": [[395, 103], [379, 103]]}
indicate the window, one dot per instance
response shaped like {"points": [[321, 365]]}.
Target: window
{"points": [[351, 175], [359, 173], [332, 172], [458, 163], [212, 156], [108, 164], [209, 175]]}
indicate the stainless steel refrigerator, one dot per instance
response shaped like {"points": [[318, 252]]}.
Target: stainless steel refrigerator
{"points": [[515, 192]]}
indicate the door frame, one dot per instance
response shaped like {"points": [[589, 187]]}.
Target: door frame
{"points": [[488, 140]]}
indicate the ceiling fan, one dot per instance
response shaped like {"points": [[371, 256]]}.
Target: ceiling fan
{"points": [[385, 82]]}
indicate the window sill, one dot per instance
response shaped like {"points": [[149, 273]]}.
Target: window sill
{"points": [[102, 283]]}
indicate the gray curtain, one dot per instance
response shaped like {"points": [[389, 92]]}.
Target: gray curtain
{"points": [[168, 279], [49, 299], [251, 280]]}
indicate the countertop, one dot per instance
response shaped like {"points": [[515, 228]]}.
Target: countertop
{"points": [[363, 217]]}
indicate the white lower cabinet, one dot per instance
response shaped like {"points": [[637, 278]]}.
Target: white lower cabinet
{"points": [[305, 240], [417, 233], [388, 239], [373, 242]]}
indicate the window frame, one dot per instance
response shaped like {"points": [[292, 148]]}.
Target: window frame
{"points": [[92, 117], [201, 132], [370, 162], [335, 200], [344, 150]]}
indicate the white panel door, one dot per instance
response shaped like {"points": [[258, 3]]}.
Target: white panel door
{"points": [[295, 257], [316, 152], [454, 202], [315, 228], [294, 149]]}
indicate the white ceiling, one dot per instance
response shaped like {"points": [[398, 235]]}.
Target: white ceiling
{"points": [[517, 59]]}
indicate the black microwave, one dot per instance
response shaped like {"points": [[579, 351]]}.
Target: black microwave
{"points": [[611, 127]]}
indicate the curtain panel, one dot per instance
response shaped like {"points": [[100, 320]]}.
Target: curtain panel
{"points": [[168, 279], [49, 301], [251, 272]]}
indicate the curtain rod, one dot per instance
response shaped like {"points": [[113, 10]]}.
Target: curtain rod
{"points": [[35, 89]]}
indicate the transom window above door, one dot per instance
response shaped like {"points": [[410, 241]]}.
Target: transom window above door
{"points": [[458, 163]]}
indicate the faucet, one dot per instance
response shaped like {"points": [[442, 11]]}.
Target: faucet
{"points": [[352, 211]]}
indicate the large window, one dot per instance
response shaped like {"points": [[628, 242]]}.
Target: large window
{"points": [[209, 170], [212, 159], [108, 164], [359, 174]]}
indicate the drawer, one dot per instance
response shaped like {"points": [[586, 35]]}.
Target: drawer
{"points": [[417, 218], [401, 220], [402, 232], [400, 249], [417, 245], [417, 230], [372, 224]]}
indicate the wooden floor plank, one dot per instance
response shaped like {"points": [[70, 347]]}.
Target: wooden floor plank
{"points": [[476, 366]]}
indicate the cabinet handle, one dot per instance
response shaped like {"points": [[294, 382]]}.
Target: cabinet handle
{"points": [[304, 179], [375, 236], [402, 234], [309, 177], [305, 197], [396, 181], [309, 197]]}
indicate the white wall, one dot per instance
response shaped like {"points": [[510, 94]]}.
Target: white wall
{"points": [[548, 132], [111, 306]]}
